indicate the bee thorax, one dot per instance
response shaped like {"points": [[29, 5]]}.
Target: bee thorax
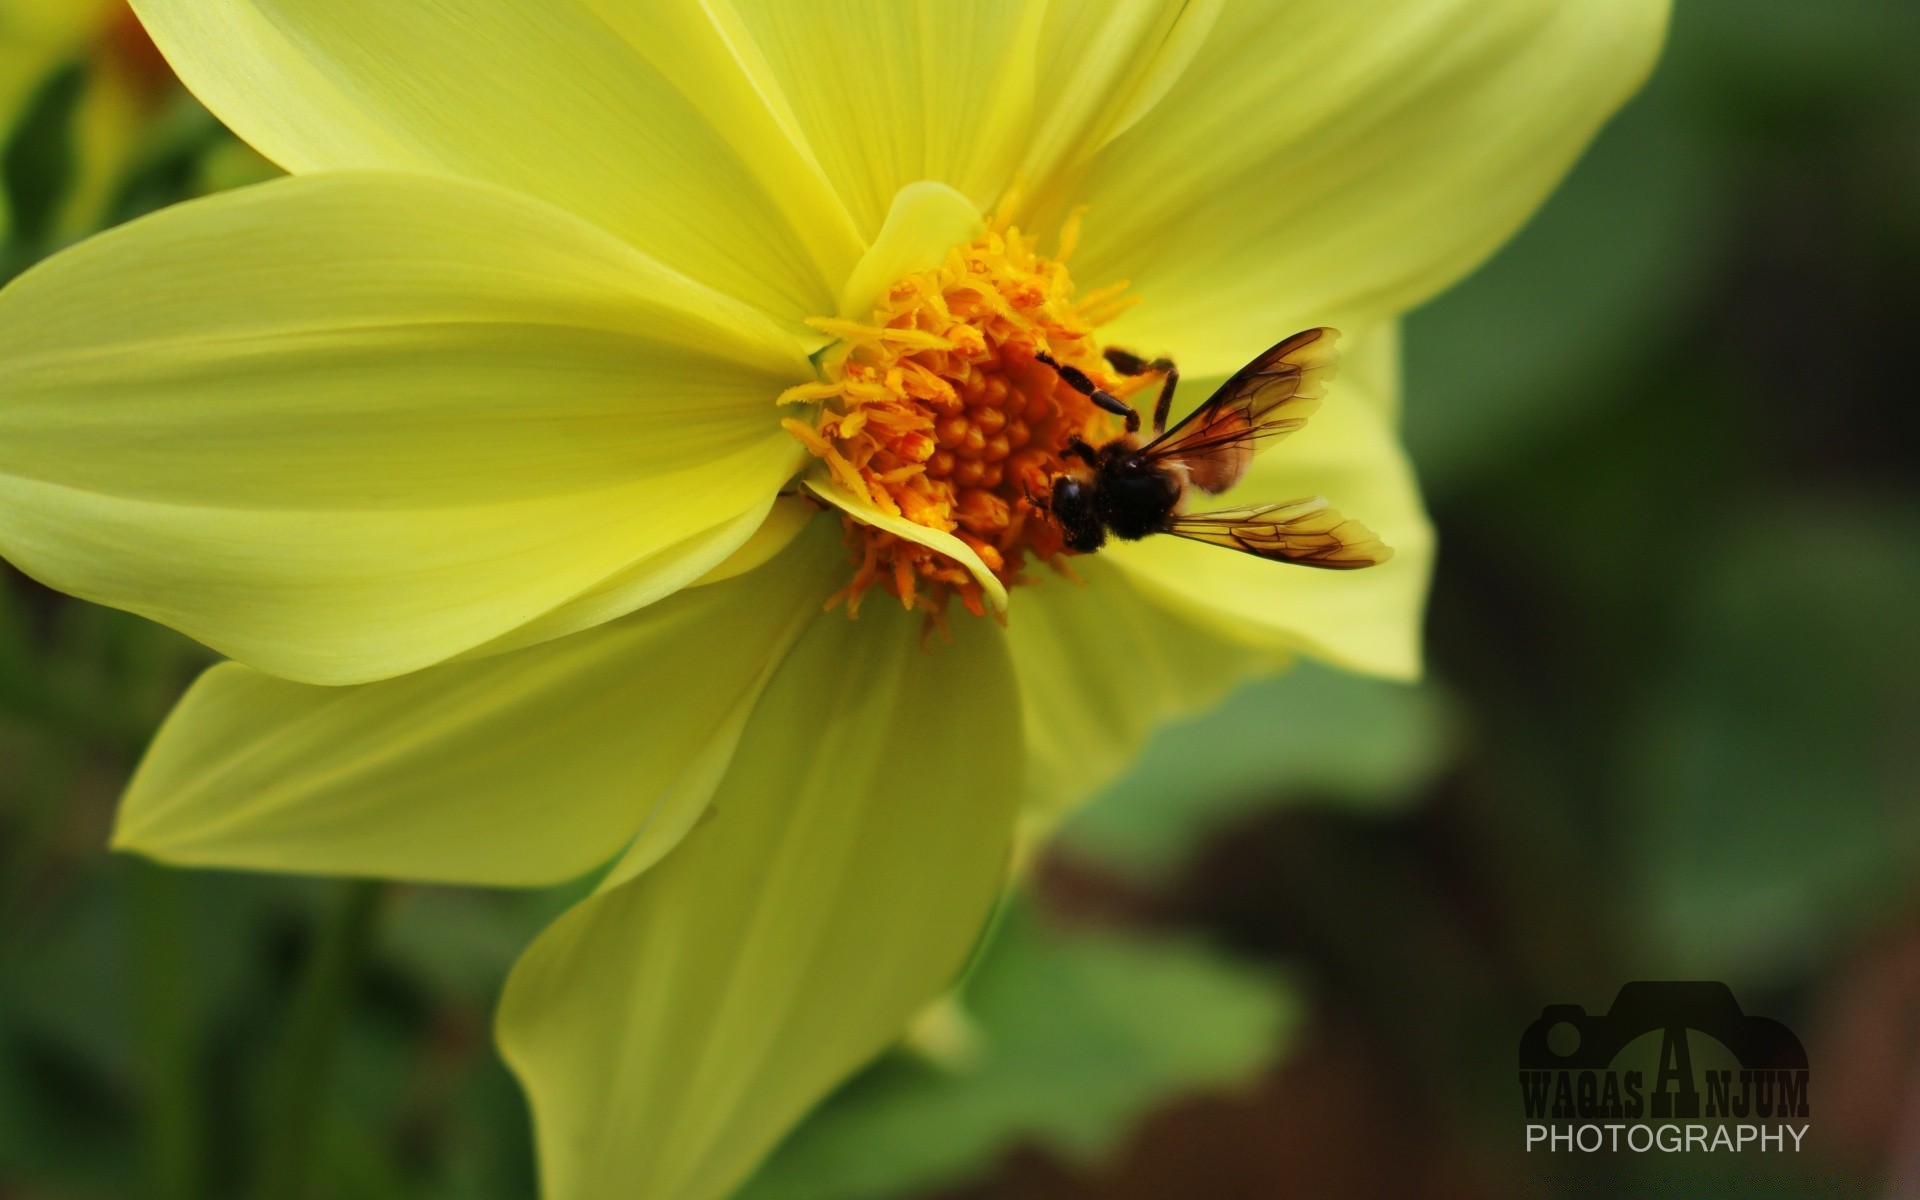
{"points": [[1133, 501]]}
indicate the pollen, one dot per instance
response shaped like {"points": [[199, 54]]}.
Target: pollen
{"points": [[937, 411]]}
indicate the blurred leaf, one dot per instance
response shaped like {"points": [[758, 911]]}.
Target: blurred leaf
{"points": [[231, 163], [488, 1153], [1798, 64], [1311, 732], [1606, 271], [68, 988], [90, 674], [1081, 1036], [1774, 795], [38, 161], [177, 160], [459, 943]]}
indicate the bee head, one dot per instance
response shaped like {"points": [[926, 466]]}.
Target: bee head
{"points": [[1072, 506]]}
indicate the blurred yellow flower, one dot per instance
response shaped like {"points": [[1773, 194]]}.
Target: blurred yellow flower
{"points": [[464, 443]]}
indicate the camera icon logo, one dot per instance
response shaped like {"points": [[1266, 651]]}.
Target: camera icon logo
{"points": [[1567, 1038], [1567, 1056]]}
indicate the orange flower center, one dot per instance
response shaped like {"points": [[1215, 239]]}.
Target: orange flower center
{"points": [[936, 411]]}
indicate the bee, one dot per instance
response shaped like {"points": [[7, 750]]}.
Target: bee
{"points": [[1128, 490]]}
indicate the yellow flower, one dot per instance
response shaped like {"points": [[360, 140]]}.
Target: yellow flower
{"points": [[468, 442]]}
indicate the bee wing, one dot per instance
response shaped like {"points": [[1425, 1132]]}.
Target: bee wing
{"points": [[1270, 397], [1310, 533]]}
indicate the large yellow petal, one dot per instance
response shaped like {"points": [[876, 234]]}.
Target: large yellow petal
{"points": [[1104, 65], [888, 93], [670, 1029], [522, 768], [344, 427], [646, 119], [1338, 161], [1368, 620], [1101, 666], [983, 95], [754, 144], [341, 427]]}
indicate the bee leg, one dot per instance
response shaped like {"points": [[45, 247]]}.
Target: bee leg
{"points": [[1128, 363], [1079, 449], [1077, 380], [1164, 404]]}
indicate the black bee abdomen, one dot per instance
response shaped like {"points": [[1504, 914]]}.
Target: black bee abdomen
{"points": [[1133, 500], [1073, 508]]}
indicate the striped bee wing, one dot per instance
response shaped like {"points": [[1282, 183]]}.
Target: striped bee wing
{"points": [[1308, 533], [1268, 398]]}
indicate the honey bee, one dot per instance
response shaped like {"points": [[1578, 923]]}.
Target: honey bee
{"points": [[1129, 490]]}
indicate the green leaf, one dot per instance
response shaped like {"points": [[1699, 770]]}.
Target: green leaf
{"points": [[1311, 732], [1079, 1036], [1771, 798], [1789, 66], [459, 943], [1531, 342]]}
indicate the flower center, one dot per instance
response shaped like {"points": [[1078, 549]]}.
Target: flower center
{"points": [[938, 412]]}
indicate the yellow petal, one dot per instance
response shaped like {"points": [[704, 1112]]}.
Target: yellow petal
{"points": [[939, 540], [721, 553], [653, 578], [783, 522], [703, 48], [888, 93], [673, 1027], [1367, 620], [581, 107], [984, 96], [1105, 64], [926, 220], [1338, 161], [521, 768], [1101, 666], [1370, 369], [341, 427], [755, 145]]}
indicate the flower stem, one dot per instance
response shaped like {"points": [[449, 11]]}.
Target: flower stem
{"points": [[299, 1078], [172, 1133]]}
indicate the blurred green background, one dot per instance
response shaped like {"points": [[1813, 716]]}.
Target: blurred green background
{"points": [[1672, 731]]}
